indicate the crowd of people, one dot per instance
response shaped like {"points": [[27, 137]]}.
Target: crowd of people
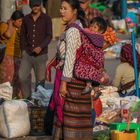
{"points": [[27, 39]]}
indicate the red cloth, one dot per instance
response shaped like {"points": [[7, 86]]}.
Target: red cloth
{"points": [[57, 102], [127, 55], [97, 105], [51, 64]]}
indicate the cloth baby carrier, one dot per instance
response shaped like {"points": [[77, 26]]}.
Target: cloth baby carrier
{"points": [[89, 61]]}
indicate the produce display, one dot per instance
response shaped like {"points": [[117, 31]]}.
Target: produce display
{"points": [[109, 37], [102, 135]]}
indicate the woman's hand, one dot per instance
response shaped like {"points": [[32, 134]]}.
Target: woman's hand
{"points": [[63, 89], [105, 79], [10, 29], [10, 22]]}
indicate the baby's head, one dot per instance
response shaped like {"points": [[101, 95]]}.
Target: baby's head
{"points": [[98, 25]]}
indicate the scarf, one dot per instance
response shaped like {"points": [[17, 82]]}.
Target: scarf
{"points": [[127, 55]]}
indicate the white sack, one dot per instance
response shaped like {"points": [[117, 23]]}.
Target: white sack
{"points": [[14, 119], [7, 8], [119, 24]]}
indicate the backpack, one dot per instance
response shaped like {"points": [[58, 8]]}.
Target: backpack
{"points": [[89, 61]]}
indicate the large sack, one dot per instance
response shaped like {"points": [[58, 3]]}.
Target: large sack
{"points": [[7, 7], [6, 91], [14, 119], [119, 24]]}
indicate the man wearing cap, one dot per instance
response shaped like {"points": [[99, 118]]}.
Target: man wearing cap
{"points": [[36, 34], [90, 12]]}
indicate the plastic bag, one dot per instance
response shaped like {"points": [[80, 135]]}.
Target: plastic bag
{"points": [[126, 104], [119, 24], [42, 96], [108, 92], [109, 116]]}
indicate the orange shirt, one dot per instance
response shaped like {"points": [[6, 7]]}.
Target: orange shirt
{"points": [[12, 46]]}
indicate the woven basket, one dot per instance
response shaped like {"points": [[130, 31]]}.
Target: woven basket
{"points": [[37, 119]]}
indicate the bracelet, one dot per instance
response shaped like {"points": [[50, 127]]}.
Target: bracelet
{"points": [[63, 93]]}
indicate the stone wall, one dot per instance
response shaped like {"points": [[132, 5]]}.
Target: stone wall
{"points": [[53, 7], [58, 27], [0, 10]]}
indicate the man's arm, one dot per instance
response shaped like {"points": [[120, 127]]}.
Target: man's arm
{"points": [[49, 33], [23, 36]]}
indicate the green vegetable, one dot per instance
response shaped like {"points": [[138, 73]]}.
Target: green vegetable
{"points": [[135, 106], [98, 6], [101, 135]]}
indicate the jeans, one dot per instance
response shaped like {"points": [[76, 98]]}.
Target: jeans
{"points": [[93, 115]]}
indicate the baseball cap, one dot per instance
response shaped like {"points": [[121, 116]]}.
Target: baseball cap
{"points": [[35, 3], [83, 1]]}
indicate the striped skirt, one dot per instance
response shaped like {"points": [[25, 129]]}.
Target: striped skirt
{"points": [[77, 114]]}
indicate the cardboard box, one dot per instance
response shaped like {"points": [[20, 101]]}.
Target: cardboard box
{"points": [[116, 135]]}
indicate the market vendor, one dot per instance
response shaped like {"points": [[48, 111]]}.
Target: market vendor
{"points": [[124, 75], [89, 12]]}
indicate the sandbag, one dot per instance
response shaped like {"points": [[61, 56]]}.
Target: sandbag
{"points": [[14, 119]]}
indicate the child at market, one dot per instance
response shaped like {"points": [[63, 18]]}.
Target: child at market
{"points": [[97, 25]]}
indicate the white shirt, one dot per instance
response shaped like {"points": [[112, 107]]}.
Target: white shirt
{"points": [[72, 43]]}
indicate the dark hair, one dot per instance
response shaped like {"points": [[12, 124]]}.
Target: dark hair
{"points": [[17, 15], [75, 4], [127, 55], [100, 22], [116, 8]]}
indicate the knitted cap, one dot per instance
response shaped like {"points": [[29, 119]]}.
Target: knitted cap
{"points": [[34, 2]]}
